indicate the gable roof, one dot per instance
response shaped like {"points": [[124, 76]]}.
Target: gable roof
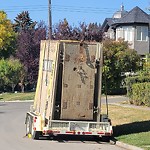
{"points": [[108, 22], [136, 15]]}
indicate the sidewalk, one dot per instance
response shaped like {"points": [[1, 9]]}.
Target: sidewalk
{"points": [[131, 106]]}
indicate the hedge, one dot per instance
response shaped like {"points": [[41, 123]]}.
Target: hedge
{"points": [[129, 81], [141, 94]]}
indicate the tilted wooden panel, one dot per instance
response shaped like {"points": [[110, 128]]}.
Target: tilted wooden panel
{"points": [[45, 91], [78, 81]]}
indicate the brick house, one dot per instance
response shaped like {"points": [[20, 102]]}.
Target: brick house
{"points": [[132, 26]]}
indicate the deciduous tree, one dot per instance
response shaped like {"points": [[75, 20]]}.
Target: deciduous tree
{"points": [[28, 50], [64, 31], [7, 36], [10, 72], [118, 59]]}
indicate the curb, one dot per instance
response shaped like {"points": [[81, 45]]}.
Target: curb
{"points": [[124, 145], [16, 101]]}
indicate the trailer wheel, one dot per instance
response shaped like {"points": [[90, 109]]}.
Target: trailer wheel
{"points": [[106, 138], [97, 138], [28, 126], [36, 135]]}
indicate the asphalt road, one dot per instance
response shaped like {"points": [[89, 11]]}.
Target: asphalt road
{"points": [[12, 132]]}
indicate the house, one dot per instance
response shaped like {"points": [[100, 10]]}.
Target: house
{"points": [[132, 26]]}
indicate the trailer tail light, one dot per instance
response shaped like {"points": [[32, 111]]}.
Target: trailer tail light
{"points": [[34, 119], [87, 132], [70, 132], [100, 133]]}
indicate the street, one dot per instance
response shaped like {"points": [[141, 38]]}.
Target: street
{"points": [[12, 130]]}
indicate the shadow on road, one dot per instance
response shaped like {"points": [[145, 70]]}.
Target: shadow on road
{"points": [[131, 128], [75, 139]]}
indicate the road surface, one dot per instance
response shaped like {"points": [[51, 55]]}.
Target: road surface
{"points": [[12, 132]]}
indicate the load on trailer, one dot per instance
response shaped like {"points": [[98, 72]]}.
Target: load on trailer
{"points": [[68, 92]]}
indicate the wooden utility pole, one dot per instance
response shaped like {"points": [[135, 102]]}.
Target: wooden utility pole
{"points": [[50, 19]]}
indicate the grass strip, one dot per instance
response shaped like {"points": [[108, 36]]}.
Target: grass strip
{"points": [[130, 125], [17, 96]]}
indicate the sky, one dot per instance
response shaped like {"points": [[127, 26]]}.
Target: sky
{"points": [[75, 11]]}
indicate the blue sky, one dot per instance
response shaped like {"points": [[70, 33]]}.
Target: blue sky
{"points": [[75, 11]]}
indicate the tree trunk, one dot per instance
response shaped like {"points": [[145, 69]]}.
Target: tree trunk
{"points": [[22, 88], [13, 88]]}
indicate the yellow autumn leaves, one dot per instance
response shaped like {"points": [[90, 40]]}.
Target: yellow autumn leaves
{"points": [[6, 31]]}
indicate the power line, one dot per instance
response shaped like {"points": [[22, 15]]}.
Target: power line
{"points": [[60, 8]]}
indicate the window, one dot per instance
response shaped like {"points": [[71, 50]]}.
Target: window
{"points": [[142, 33], [125, 33]]}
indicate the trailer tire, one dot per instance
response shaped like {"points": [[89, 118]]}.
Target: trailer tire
{"points": [[36, 135], [28, 125], [106, 138], [97, 138]]}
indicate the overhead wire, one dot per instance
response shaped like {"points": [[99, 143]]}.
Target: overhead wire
{"points": [[60, 8]]}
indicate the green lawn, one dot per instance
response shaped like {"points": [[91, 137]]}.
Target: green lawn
{"points": [[131, 126], [17, 96], [141, 139]]}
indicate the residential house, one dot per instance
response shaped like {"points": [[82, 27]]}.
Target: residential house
{"points": [[132, 26]]}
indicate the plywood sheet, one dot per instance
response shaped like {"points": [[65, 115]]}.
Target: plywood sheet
{"points": [[78, 81]]}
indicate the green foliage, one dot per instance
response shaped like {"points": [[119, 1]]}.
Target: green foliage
{"points": [[7, 36], [118, 58], [134, 84], [130, 81], [146, 65], [141, 94], [10, 72], [23, 22]]}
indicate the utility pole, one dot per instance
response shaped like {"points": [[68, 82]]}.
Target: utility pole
{"points": [[50, 19]]}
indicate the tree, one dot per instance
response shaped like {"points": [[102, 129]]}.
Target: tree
{"points": [[28, 44], [23, 22], [28, 50], [118, 59], [10, 72], [64, 31], [7, 36], [91, 32]]}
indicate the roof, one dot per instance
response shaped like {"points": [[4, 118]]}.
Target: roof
{"points": [[136, 15], [108, 22]]}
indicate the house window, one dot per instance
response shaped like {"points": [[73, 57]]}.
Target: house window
{"points": [[125, 33], [142, 33]]}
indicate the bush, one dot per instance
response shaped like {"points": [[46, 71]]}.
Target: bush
{"points": [[132, 80], [141, 94]]}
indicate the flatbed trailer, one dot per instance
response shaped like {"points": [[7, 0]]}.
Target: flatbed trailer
{"points": [[68, 92]]}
